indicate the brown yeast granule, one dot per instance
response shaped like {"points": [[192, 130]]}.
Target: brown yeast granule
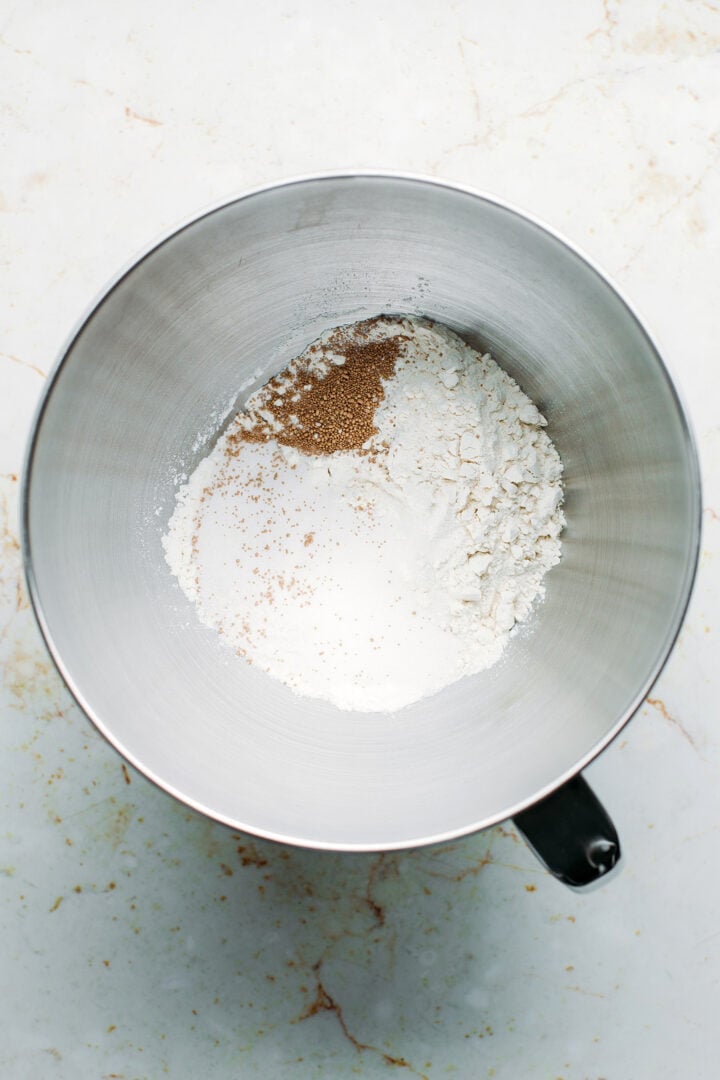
{"points": [[321, 412]]}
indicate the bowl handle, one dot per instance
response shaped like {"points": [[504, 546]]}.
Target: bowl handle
{"points": [[572, 835]]}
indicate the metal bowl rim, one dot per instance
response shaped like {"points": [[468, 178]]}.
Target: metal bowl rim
{"points": [[673, 628]]}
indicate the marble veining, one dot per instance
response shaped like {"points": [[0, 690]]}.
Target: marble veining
{"points": [[140, 939]]}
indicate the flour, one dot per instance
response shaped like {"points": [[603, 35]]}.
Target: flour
{"points": [[381, 572]]}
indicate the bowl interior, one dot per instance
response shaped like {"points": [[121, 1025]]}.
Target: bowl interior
{"points": [[183, 338]]}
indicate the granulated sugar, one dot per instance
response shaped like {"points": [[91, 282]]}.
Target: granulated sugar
{"points": [[376, 521]]}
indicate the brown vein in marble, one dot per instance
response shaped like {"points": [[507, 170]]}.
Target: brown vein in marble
{"points": [[493, 132], [658, 704], [672, 43], [324, 1002], [132, 115], [467, 871], [376, 908], [32, 683], [5, 44], [8, 540], [588, 993], [607, 26], [91, 86], [21, 600], [508, 834], [383, 866], [10, 578], [656, 37], [476, 868], [27, 674], [24, 363], [469, 75], [9, 45], [683, 196], [543, 107]]}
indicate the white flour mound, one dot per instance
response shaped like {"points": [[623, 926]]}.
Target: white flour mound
{"points": [[373, 579]]}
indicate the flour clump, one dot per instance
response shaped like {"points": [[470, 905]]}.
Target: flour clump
{"points": [[376, 520]]}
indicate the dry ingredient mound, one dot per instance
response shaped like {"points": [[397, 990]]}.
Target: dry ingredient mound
{"points": [[378, 518], [323, 408]]}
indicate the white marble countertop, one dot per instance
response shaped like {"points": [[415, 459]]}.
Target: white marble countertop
{"points": [[141, 940]]}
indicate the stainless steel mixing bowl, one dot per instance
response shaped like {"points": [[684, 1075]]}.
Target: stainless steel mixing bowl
{"points": [[225, 302]]}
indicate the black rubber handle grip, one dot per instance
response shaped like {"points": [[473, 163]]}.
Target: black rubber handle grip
{"points": [[571, 834]]}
